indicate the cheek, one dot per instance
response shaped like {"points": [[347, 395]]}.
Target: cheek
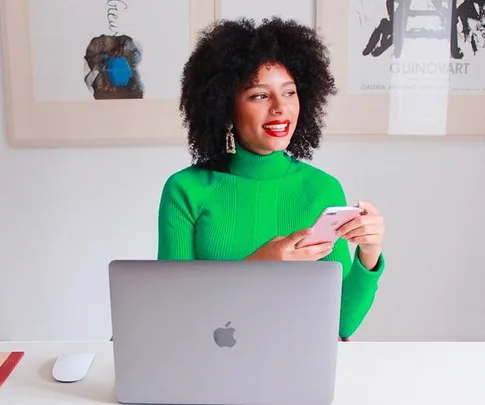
{"points": [[295, 107], [250, 116]]}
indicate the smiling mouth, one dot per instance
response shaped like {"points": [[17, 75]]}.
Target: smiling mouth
{"points": [[277, 128]]}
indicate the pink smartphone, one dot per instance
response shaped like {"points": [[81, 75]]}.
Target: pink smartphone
{"points": [[326, 225]]}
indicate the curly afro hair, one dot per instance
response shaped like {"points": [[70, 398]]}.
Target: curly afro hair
{"points": [[228, 55]]}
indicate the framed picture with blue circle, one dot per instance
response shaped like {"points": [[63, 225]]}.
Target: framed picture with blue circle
{"points": [[97, 73]]}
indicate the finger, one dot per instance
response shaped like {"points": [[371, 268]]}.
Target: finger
{"points": [[312, 256], [368, 207], [348, 226], [367, 229], [294, 238], [367, 240], [313, 252], [354, 224], [316, 249], [323, 254]]}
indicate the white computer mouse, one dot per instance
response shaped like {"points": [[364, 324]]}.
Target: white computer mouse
{"points": [[72, 367]]}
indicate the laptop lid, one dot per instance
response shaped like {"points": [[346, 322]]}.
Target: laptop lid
{"points": [[228, 332]]}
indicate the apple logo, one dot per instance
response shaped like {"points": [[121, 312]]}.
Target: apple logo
{"points": [[224, 336]]}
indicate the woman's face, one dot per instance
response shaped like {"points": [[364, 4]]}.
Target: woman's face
{"points": [[266, 111]]}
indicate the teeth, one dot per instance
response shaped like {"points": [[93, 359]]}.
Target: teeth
{"points": [[279, 127]]}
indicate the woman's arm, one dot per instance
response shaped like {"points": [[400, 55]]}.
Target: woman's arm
{"points": [[360, 277], [369, 259], [176, 224], [358, 289]]}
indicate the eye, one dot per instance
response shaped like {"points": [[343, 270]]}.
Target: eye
{"points": [[290, 93], [258, 96]]}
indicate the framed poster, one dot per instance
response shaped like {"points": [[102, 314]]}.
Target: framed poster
{"points": [[406, 67], [303, 11], [97, 73]]}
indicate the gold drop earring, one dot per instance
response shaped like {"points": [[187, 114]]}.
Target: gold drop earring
{"points": [[230, 143]]}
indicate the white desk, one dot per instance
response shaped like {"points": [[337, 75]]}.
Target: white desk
{"points": [[368, 374]]}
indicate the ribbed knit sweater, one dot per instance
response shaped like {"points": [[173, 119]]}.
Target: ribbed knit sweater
{"points": [[209, 215]]}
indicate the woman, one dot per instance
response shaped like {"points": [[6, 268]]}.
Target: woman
{"points": [[253, 99]]}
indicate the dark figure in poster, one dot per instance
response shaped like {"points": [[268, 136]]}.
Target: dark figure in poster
{"points": [[392, 30]]}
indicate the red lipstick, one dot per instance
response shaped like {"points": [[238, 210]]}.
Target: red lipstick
{"points": [[277, 128]]}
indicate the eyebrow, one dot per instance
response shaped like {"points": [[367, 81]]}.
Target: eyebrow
{"points": [[254, 85]]}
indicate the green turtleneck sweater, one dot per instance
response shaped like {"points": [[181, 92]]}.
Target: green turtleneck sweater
{"points": [[208, 215]]}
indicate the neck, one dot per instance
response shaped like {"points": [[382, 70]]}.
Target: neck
{"points": [[246, 163]]}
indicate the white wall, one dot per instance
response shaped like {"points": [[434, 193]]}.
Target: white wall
{"points": [[65, 213]]}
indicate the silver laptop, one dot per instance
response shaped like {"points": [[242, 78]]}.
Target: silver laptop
{"points": [[228, 332]]}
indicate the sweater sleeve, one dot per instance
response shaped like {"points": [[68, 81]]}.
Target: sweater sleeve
{"points": [[176, 223], [358, 292], [359, 284]]}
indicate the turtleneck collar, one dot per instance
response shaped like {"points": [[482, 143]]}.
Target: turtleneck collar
{"points": [[245, 163]]}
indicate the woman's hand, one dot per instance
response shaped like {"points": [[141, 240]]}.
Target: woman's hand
{"points": [[367, 230], [284, 248]]}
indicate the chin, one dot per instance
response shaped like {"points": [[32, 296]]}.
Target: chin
{"points": [[268, 144], [278, 144]]}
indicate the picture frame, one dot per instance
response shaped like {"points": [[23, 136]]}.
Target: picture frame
{"points": [[102, 118], [414, 85]]}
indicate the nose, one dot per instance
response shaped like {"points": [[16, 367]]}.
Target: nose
{"points": [[277, 108]]}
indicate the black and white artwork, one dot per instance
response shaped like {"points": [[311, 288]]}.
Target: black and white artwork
{"points": [[417, 45]]}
